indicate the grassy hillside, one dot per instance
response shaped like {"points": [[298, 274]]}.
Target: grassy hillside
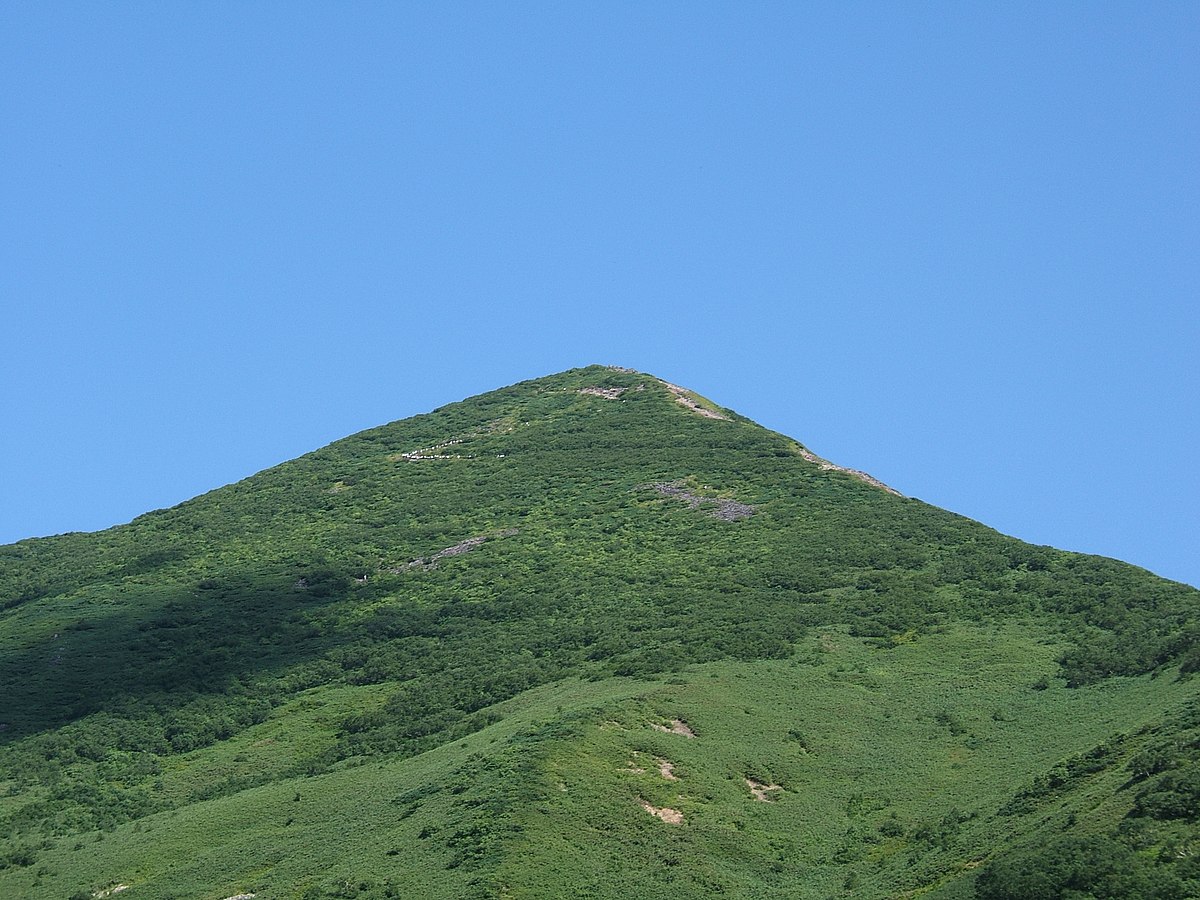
{"points": [[432, 658]]}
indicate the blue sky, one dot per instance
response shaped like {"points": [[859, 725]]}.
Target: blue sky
{"points": [[955, 245]]}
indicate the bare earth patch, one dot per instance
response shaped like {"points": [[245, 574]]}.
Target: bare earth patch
{"points": [[668, 815], [678, 726], [667, 770], [108, 892], [826, 466], [242, 897], [762, 791], [725, 510]]}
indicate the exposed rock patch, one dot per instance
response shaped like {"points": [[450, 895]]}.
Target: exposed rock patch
{"points": [[668, 815], [464, 546], [667, 769], [433, 452], [677, 726], [826, 466], [613, 393], [460, 547], [497, 426], [720, 508]]}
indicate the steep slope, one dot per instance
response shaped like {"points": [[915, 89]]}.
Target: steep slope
{"points": [[435, 655]]}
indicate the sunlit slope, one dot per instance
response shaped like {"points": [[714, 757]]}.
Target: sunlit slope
{"points": [[334, 626], [876, 777]]}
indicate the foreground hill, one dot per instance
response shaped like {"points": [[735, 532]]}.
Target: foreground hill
{"points": [[590, 635]]}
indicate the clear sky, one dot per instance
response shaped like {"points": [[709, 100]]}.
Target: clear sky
{"points": [[953, 244]]}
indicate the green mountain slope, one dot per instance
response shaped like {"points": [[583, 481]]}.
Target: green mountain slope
{"points": [[587, 636]]}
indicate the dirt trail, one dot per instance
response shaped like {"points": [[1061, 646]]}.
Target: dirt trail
{"points": [[826, 466], [684, 396]]}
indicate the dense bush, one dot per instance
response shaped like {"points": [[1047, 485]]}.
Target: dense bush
{"points": [[1074, 868]]}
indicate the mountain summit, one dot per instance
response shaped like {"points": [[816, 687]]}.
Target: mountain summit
{"points": [[590, 635]]}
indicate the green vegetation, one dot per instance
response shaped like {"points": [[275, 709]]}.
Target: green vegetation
{"points": [[431, 658]]}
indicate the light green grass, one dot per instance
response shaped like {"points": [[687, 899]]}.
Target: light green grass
{"points": [[856, 737], [341, 830], [873, 747]]}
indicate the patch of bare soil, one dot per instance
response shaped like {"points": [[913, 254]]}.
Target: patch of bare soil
{"points": [[667, 769], [720, 508], [613, 393], [678, 726], [108, 892], [242, 897], [668, 815], [826, 466], [684, 396], [762, 792]]}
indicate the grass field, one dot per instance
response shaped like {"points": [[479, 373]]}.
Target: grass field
{"points": [[892, 770]]}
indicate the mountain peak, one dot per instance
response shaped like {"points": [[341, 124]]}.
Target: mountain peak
{"points": [[543, 636], [614, 382]]}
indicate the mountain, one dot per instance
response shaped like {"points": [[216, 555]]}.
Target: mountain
{"points": [[591, 635]]}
